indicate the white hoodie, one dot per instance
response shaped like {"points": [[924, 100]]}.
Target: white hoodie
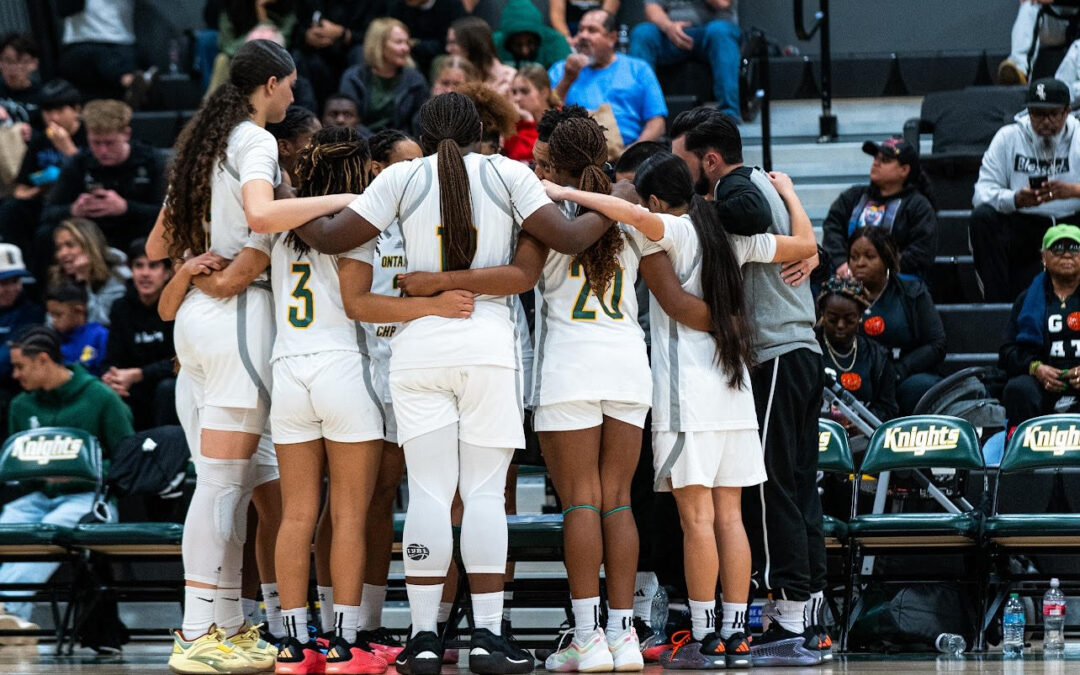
{"points": [[1017, 153]]}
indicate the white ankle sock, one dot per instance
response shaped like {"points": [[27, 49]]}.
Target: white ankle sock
{"points": [[250, 607], [424, 606], [645, 586], [702, 618], [272, 603], [618, 620], [487, 611], [791, 615], [325, 594], [346, 618], [371, 606], [228, 612], [812, 615], [733, 619], [508, 597], [294, 623], [586, 617], [198, 611]]}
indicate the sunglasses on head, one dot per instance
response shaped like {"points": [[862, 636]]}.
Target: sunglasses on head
{"points": [[1061, 248]]}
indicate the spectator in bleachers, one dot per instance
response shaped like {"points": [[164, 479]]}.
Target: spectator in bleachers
{"points": [[427, 21], [522, 37], [471, 38], [63, 136], [20, 83], [898, 200], [859, 364], [1031, 33], [83, 258], [292, 134], [532, 96], [634, 156], [1042, 341], [596, 74], [341, 110], [565, 15], [55, 396], [139, 354], [704, 30], [98, 52], [118, 182], [1028, 181], [244, 20], [450, 73], [325, 33], [17, 311], [83, 342], [387, 87], [901, 316]]}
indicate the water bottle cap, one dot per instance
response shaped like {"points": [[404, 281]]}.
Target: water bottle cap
{"points": [[1014, 595], [1054, 583]]}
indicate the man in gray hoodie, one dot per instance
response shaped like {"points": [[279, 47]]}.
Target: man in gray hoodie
{"points": [[1029, 180]]}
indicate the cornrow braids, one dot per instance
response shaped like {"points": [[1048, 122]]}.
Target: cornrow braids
{"points": [[447, 124], [336, 161], [845, 288], [39, 340], [298, 119], [578, 147], [382, 144]]}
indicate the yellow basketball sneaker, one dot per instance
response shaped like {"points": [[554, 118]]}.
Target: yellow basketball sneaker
{"points": [[209, 653], [259, 651]]}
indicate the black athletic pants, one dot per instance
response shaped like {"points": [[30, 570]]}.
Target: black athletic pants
{"points": [[783, 515]]}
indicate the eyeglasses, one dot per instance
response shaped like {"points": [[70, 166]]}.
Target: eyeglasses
{"points": [[1061, 248], [1047, 113]]}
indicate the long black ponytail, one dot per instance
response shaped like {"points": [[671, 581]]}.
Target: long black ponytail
{"points": [[666, 176]]}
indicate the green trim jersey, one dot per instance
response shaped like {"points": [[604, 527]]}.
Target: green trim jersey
{"points": [[388, 262]]}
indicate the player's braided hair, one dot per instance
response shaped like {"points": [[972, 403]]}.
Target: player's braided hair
{"points": [[201, 146], [383, 142], [336, 161], [448, 123], [578, 148]]}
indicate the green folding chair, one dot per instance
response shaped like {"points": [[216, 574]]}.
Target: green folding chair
{"points": [[834, 456]]}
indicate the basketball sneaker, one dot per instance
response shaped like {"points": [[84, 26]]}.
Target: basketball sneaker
{"points": [[626, 651], [778, 646], [259, 651], [491, 654], [590, 656], [817, 638], [690, 654], [382, 642], [354, 659], [209, 653], [421, 656], [737, 651], [299, 658]]}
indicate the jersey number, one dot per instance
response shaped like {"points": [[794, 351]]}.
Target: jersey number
{"points": [[301, 316], [440, 232], [615, 288]]}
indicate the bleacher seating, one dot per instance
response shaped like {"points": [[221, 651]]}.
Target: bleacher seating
{"points": [[973, 332]]}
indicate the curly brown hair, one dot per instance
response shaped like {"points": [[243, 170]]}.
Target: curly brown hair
{"points": [[578, 147], [202, 144], [336, 161], [496, 113]]}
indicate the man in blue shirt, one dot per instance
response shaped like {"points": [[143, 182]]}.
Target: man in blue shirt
{"points": [[595, 75]]}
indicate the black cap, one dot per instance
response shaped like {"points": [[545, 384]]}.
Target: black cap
{"points": [[893, 148], [57, 94], [1048, 93]]}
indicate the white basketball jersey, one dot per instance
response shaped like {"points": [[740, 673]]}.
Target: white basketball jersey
{"points": [[691, 392], [504, 193], [590, 348], [308, 311], [387, 263]]}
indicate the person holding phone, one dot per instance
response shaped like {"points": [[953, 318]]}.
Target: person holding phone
{"points": [[1029, 181]]}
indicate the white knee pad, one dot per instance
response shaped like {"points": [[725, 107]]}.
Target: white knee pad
{"points": [[428, 539], [216, 523], [483, 525]]}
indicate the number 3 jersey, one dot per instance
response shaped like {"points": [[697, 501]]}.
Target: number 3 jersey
{"points": [[591, 348], [309, 314]]}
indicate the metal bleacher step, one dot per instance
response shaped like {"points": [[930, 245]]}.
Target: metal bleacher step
{"points": [[809, 159], [952, 238], [973, 328], [873, 117]]}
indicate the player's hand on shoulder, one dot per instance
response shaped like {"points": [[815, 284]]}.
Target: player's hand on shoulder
{"points": [[555, 192], [455, 304]]}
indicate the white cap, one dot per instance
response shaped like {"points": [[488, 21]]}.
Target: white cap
{"points": [[11, 262], [1054, 583]]}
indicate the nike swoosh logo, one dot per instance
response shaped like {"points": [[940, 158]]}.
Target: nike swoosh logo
{"points": [[517, 660], [205, 599], [232, 599]]}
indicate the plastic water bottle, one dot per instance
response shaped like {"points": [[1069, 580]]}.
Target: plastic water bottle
{"points": [[951, 644], [1054, 618], [660, 610], [623, 45], [1013, 628]]}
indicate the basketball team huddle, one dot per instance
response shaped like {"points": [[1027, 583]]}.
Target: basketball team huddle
{"points": [[361, 315]]}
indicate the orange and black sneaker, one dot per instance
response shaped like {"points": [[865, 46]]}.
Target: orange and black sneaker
{"points": [[737, 651], [299, 658], [690, 654], [352, 659], [817, 638]]}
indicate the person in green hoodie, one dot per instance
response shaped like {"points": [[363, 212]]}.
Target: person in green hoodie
{"points": [[524, 38], [55, 395]]}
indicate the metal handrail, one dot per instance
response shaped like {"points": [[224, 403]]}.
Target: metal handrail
{"points": [[827, 130]]}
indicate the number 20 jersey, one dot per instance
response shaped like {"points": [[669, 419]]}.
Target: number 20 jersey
{"points": [[588, 348]]}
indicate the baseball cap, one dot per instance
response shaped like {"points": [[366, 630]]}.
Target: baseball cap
{"points": [[57, 94], [11, 262], [1060, 232], [893, 148], [1048, 92]]}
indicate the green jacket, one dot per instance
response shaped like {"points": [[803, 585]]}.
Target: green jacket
{"points": [[522, 16], [83, 402]]}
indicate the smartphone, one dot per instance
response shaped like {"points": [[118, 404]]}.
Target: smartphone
{"points": [[316, 18], [92, 187], [1036, 182]]}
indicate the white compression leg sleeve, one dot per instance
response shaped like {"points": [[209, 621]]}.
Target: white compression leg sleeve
{"points": [[216, 521], [432, 462], [483, 525]]}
